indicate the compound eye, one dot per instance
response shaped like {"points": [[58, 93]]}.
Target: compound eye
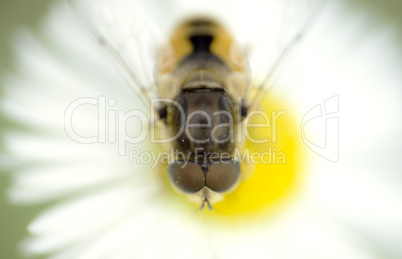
{"points": [[222, 175], [186, 176]]}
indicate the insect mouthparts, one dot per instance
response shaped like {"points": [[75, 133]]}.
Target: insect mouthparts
{"points": [[207, 202]]}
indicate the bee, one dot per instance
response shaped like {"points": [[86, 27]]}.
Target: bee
{"points": [[206, 80], [203, 81]]}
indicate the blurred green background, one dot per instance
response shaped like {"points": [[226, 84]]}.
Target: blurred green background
{"points": [[14, 13], [13, 219]]}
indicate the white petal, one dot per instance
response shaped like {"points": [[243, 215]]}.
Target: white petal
{"points": [[82, 219]]}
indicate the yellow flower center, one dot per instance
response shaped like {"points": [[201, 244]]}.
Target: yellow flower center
{"points": [[271, 180]]}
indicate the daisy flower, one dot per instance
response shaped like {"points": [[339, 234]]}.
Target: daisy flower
{"points": [[330, 190]]}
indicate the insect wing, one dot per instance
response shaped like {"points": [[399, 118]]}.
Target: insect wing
{"points": [[123, 29], [267, 31], [269, 38]]}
